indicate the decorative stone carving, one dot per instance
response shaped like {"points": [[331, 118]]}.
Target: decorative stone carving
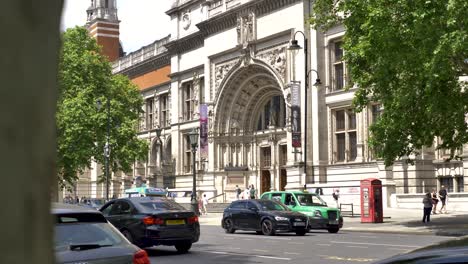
{"points": [[220, 71], [275, 57], [210, 119], [246, 28], [186, 20]]}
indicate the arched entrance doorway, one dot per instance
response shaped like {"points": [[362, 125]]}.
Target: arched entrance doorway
{"points": [[250, 119]]}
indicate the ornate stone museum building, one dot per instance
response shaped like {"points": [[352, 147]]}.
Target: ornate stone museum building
{"points": [[227, 65]]}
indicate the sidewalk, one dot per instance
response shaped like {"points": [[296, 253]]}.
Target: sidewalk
{"points": [[406, 221]]}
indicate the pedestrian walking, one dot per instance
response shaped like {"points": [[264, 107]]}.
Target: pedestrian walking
{"points": [[427, 201], [238, 192], [435, 201], [205, 204], [253, 192], [246, 193], [443, 199], [336, 197]]}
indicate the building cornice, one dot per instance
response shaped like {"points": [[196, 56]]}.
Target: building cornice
{"points": [[187, 43], [182, 6], [146, 66], [199, 69], [228, 19]]}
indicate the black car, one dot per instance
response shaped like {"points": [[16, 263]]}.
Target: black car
{"points": [[263, 216], [83, 235], [450, 251], [152, 221]]}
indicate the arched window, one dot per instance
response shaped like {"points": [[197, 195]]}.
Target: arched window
{"points": [[273, 114]]}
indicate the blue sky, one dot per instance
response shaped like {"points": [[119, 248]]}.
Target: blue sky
{"points": [[141, 21]]}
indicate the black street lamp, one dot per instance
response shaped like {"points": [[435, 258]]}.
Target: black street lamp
{"points": [[159, 142], [107, 148], [193, 137], [294, 46]]}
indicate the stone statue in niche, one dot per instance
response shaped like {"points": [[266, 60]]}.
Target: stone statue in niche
{"points": [[245, 29]]}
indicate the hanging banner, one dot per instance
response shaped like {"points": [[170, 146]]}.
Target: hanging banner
{"points": [[204, 131], [296, 114]]}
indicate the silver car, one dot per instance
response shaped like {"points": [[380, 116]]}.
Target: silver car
{"points": [[83, 235]]}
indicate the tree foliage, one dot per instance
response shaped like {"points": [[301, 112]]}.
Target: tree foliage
{"points": [[85, 78], [408, 55]]}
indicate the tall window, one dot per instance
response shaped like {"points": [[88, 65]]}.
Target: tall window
{"points": [[149, 113], [375, 113], [283, 155], [338, 66], [188, 155], [266, 157], [164, 108], [189, 99], [447, 182], [345, 143], [460, 183]]}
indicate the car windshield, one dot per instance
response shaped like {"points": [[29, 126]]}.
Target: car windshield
{"points": [[87, 233], [308, 199], [268, 205], [160, 205]]}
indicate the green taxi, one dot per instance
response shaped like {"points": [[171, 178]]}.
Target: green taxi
{"points": [[320, 215]]}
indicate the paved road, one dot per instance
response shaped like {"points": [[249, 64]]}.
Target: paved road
{"points": [[216, 247]]}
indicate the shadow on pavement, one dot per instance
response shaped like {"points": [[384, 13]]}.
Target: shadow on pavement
{"points": [[456, 225]]}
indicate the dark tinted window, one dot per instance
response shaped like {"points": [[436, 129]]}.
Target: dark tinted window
{"points": [[238, 205], [159, 205], [251, 205], [107, 209], [269, 205]]}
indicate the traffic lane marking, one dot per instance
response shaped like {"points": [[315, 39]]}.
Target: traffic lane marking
{"points": [[260, 250], [291, 253], [325, 245], [244, 255], [259, 237], [373, 244], [346, 259], [368, 236], [357, 247]]}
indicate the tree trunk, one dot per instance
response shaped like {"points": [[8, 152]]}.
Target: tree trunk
{"points": [[28, 97]]}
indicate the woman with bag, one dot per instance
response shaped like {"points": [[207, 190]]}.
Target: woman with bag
{"points": [[435, 200], [427, 201]]}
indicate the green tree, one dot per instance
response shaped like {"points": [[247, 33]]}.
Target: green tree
{"points": [[86, 81], [408, 55]]}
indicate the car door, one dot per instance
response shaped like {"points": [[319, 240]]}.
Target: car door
{"points": [[252, 216], [110, 212], [126, 219], [237, 211]]}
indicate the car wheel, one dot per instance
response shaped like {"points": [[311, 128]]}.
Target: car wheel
{"points": [[229, 226], [301, 232], [333, 230], [128, 235], [183, 247], [267, 227]]}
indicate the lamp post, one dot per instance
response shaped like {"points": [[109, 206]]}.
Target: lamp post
{"points": [[193, 137], [295, 47], [107, 148]]}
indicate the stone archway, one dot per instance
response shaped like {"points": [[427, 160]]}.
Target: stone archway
{"points": [[248, 99]]}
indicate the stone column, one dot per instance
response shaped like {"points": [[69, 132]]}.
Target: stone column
{"points": [[28, 102]]}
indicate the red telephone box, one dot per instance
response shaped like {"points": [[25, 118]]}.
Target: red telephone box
{"points": [[371, 201]]}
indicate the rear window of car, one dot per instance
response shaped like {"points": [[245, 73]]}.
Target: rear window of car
{"points": [[71, 231], [160, 205]]}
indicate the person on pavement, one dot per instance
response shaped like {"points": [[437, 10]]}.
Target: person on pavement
{"points": [[205, 203], [443, 198], [253, 192], [238, 192], [336, 196], [435, 201], [246, 193], [427, 201]]}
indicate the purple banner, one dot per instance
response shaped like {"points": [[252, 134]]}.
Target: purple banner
{"points": [[296, 114], [204, 131]]}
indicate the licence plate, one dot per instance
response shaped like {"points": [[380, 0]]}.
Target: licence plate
{"points": [[175, 222], [333, 222], [299, 224]]}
